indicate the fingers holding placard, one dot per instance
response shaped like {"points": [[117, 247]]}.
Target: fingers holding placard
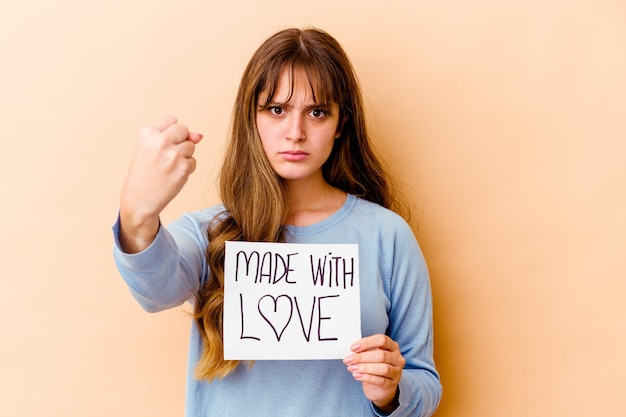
{"points": [[377, 363]]}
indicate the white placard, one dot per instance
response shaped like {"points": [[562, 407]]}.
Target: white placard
{"points": [[290, 301]]}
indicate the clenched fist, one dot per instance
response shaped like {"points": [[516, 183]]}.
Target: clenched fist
{"points": [[162, 162]]}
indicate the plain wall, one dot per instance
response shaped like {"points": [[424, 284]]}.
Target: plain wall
{"points": [[504, 119]]}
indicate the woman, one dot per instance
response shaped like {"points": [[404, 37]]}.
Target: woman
{"points": [[299, 168]]}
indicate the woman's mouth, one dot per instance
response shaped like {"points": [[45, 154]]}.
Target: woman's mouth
{"points": [[294, 156]]}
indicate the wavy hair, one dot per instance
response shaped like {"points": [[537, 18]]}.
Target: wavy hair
{"points": [[255, 198]]}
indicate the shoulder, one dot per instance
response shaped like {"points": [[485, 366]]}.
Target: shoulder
{"points": [[386, 229], [375, 216]]}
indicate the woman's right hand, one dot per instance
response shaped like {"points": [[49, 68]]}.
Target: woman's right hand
{"points": [[162, 162]]}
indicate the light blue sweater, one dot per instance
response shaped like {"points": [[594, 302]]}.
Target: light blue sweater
{"points": [[395, 299]]}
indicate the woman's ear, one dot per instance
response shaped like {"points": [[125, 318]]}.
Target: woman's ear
{"points": [[340, 126]]}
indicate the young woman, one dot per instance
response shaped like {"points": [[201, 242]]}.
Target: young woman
{"points": [[299, 168]]}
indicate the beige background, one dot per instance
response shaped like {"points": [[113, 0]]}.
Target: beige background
{"points": [[505, 120]]}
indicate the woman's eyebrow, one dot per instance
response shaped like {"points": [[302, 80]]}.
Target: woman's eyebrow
{"points": [[287, 104]]}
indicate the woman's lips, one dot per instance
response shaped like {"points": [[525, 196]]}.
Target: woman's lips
{"points": [[294, 156]]}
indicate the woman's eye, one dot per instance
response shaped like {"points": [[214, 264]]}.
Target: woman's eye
{"points": [[276, 110], [318, 113]]}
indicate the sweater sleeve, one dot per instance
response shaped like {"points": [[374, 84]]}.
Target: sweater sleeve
{"points": [[169, 271], [410, 325]]}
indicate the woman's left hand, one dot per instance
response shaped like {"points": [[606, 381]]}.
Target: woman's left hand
{"points": [[377, 363]]}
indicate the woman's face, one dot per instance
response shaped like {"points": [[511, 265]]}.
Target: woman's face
{"points": [[297, 135]]}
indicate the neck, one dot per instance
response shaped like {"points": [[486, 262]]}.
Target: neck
{"points": [[313, 202]]}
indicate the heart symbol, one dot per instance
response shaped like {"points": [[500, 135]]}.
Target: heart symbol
{"points": [[273, 315]]}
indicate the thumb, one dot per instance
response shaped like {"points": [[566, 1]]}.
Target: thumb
{"points": [[195, 137]]}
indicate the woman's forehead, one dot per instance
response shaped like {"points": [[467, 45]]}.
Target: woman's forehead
{"points": [[294, 85], [297, 82]]}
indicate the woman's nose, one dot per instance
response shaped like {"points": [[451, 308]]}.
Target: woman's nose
{"points": [[295, 131]]}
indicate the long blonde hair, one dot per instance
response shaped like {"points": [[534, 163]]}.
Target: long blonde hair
{"points": [[254, 197]]}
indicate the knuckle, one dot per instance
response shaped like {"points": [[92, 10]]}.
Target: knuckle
{"points": [[180, 130], [386, 369], [190, 147], [381, 356], [381, 339], [150, 139], [192, 165]]}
